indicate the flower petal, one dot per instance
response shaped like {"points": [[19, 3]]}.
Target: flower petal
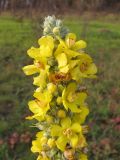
{"points": [[46, 41], [71, 53], [79, 45], [34, 107], [66, 122], [61, 142], [36, 146], [76, 74], [30, 69], [74, 140], [34, 53], [82, 115], [64, 69], [40, 134], [41, 79], [44, 97], [46, 45], [76, 127], [56, 130], [81, 98], [74, 108], [38, 116], [70, 36], [92, 69], [82, 141], [62, 59]]}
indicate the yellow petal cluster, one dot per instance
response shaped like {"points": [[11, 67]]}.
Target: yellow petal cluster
{"points": [[59, 105]]}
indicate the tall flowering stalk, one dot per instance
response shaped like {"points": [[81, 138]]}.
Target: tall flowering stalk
{"points": [[60, 66]]}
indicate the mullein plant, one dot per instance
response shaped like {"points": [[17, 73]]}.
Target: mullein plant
{"points": [[59, 105]]}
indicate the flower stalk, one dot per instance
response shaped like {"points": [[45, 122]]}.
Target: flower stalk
{"points": [[59, 104]]}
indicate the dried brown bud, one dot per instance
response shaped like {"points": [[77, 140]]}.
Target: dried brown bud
{"points": [[69, 154], [58, 77]]}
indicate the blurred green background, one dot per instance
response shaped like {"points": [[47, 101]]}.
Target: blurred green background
{"points": [[19, 30]]}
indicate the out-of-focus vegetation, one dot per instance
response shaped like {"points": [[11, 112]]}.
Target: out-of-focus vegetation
{"points": [[58, 6], [103, 38]]}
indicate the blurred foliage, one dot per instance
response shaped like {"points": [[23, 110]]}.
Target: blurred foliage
{"points": [[57, 6], [103, 39]]}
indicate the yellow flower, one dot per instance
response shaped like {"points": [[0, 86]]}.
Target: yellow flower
{"points": [[46, 45], [44, 98], [37, 145], [37, 110], [67, 132], [36, 67], [72, 99], [40, 105], [40, 80], [43, 71], [85, 68], [80, 117], [40, 55], [44, 51], [60, 64], [67, 50], [71, 42]]}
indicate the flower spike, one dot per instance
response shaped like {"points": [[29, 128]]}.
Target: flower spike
{"points": [[59, 105]]}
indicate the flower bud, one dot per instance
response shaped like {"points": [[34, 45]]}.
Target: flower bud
{"points": [[51, 87], [49, 119], [59, 100], [46, 30], [61, 113], [56, 30]]}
